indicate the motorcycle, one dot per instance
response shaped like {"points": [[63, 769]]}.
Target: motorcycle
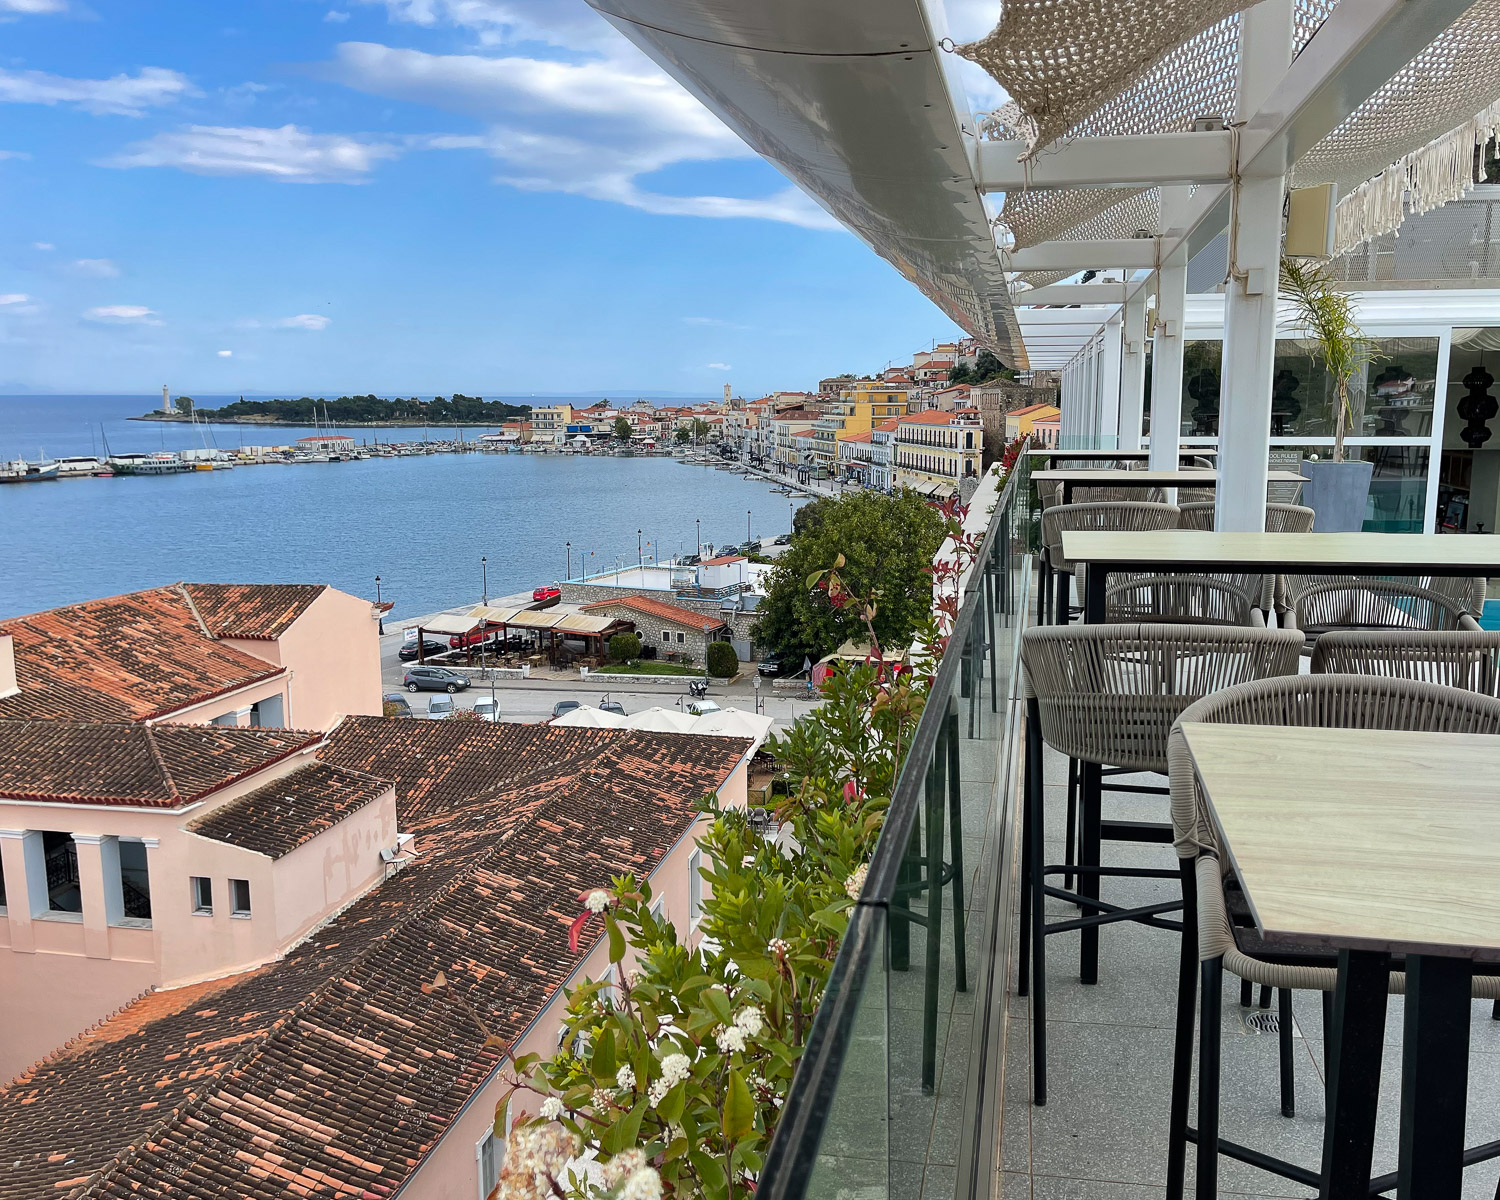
{"points": [[698, 688]]}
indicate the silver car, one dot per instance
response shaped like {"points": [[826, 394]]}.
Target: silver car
{"points": [[440, 708], [487, 709]]}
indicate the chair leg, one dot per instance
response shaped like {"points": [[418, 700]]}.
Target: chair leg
{"points": [[1070, 845], [1023, 965], [1209, 1037], [1495, 1010], [1265, 997], [1247, 993], [1327, 1038], [1063, 599], [1090, 790], [1182, 1047], [1284, 1032]]}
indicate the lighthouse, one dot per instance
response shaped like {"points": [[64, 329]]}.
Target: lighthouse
{"points": [[166, 401]]}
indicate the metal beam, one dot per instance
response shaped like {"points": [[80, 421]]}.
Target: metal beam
{"points": [[1071, 293], [1132, 253], [1113, 161]]}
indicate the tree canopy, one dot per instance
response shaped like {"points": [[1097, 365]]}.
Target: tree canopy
{"points": [[887, 543], [621, 429], [364, 410], [986, 369]]}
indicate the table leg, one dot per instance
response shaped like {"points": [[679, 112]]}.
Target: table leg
{"points": [[1357, 1039], [1434, 1077], [1096, 579]]}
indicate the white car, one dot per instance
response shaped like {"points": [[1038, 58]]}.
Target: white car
{"points": [[701, 708], [440, 708], [487, 709]]}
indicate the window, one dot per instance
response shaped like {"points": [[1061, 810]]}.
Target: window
{"points": [[203, 894], [229, 718], [695, 886], [135, 879], [61, 858], [239, 897], [666, 635], [659, 907], [682, 637], [489, 1155]]}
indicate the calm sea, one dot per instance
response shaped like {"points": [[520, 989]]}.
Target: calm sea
{"points": [[421, 524]]}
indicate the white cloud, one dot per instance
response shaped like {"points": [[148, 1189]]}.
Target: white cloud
{"points": [[18, 154], [314, 322], [120, 95], [10, 298], [719, 366], [226, 353], [44, 245], [499, 22], [587, 128], [335, 16], [94, 268], [33, 7], [288, 154], [122, 314], [715, 322]]}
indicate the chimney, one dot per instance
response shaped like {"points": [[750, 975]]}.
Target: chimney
{"points": [[8, 686]]}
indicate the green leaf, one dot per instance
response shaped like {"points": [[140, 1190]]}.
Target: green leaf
{"points": [[603, 1064], [739, 1108], [711, 1172], [717, 1002], [670, 1108], [616, 939]]}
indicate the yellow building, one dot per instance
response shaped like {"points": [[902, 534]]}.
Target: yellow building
{"points": [[936, 450], [549, 423], [1021, 422], [862, 405]]}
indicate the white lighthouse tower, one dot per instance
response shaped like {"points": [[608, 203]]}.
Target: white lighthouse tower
{"points": [[166, 401]]}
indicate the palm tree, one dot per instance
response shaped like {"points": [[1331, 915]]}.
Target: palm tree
{"points": [[1327, 316]]}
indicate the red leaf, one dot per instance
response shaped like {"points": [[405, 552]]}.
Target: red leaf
{"points": [[576, 928]]}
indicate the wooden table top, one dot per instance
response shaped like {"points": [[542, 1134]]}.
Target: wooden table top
{"points": [[1365, 839], [1107, 476], [1317, 553]]}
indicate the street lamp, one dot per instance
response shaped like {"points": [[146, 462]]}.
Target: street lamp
{"points": [[791, 515], [569, 545], [640, 560], [484, 568], [759, 706], [698, 521], [381, 611], [747, 528]]}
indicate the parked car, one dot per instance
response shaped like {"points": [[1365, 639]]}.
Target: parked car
{"points": [[772, 667], [408, 652], [487, 709], [434, 679], [701, 708], [613, 706], [396, 705], [440, 708], [564, 706], [473, 639], [546, 595]]}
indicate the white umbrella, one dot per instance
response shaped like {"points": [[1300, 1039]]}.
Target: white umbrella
{"points": [[584, 717], [661, 720], [735, 722]]}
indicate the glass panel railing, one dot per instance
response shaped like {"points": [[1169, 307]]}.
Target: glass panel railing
{"points": [[894, 1095]]}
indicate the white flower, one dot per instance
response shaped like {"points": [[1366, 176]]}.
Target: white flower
{"points": [[750, 1021], [623, 1165], [731, 1040], [856, 882], [644, 1184], [551, 1108], [777, 947], [675, 1068], [625, 1078], [601, 1099], [596, 901], [657, 1092]]}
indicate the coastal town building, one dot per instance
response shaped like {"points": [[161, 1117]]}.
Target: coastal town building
{"points": [[853, 457], [669, 628], [883, 455], [937, 451], [861, 405], [785, 426], [346, 1037], [1022, 422], [549, 423], [326, 443]]}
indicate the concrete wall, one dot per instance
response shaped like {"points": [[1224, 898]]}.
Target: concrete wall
{"points": [[333, 652]]}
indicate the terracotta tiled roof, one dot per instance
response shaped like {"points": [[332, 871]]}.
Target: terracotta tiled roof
{"points": [[252, 610], [274, 820], [123, 658], [335, 1071], [132, 764], [887, 426], [863, 436], [663, 611], [1030, 408]]}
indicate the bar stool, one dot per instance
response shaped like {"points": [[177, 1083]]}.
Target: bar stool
{"points": [[1124, 515], [1218, 932], [1107, 696], [1187, 599]]}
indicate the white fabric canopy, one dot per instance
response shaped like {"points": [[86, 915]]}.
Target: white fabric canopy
{"points": [[586, 717], [661, 720], [736, 722]]}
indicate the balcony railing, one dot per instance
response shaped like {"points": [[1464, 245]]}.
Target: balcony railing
{"points": [[895, 1093]]}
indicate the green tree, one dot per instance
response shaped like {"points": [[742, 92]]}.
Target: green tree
{"points": [[961, 374], [700, 429], [622, 430], [184, 404], [722, 662], [888, 543], [624, 646], [681, 435]]}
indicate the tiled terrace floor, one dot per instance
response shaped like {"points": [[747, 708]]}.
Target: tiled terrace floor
{"points": [[1103, 1133]]}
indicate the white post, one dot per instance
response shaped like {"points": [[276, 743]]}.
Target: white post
{"points": [[1168, 340], [1132, 371], [1250, 298], [1108, 425]]}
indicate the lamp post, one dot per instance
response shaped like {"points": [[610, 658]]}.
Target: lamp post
{"points": [[747, 528], [484, 570], [791, 515], [569, 545], [640, 560], [756, 683], [381, 611], [698, 522]]}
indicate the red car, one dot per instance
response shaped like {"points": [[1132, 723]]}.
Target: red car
{"points": [[546, 596], [475, 637]]}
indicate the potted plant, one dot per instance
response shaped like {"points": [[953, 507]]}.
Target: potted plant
{"points": [[1336, 490]]}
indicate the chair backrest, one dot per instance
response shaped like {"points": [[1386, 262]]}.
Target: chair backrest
{"points": [[1186, 599], [1454, 658], [1325, 602], [1109, 495], [1468, 591], [1280, 518], [1316, 702], [1192, 495], [1110, 693], [1123, 515]]}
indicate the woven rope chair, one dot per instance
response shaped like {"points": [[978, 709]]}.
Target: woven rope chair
{"points": [[1280, 518], [1187, 599], [1218, 934], [1115, 495], [1451, 658], [1122, 516], [1319, 604], [1107, 696], [1468, 592]]}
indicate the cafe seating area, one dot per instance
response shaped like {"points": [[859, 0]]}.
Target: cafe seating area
{"points": [[1258, 886]]}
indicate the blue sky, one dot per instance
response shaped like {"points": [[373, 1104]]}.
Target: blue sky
{"points": [[413, 196]]}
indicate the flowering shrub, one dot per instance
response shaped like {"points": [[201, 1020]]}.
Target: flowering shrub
{"points": [[673, 1073]]}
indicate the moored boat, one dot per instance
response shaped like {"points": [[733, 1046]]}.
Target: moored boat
{"points": [[20, 471]]}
